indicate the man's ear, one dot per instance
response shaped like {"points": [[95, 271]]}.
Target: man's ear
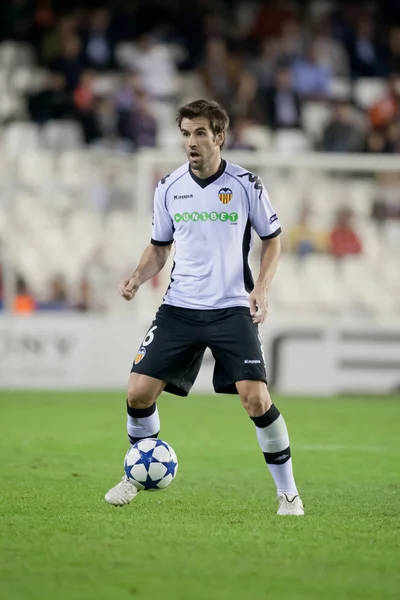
{"points": [[220, 138]]}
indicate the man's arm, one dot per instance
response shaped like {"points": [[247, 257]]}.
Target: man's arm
{"points": [[270, 252], [152, 261]]}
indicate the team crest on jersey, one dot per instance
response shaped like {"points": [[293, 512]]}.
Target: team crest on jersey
{"points": [[141, 353], [225, 195]]}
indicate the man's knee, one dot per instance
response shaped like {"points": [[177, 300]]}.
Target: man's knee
{"points": [[143, 391], [255, 397]]}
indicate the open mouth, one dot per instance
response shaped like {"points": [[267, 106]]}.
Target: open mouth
{"points": [[194, 154]]}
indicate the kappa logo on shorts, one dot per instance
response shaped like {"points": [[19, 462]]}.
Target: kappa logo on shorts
{"points": [[252, 362], [141, 353]]}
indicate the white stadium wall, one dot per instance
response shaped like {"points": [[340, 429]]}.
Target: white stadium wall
{"points": [[304, 357]]}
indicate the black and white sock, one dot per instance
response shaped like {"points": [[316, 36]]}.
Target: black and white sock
{"points": [[142, 423], [272, 435]]}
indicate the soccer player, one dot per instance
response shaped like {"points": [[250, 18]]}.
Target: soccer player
{"points": [[208, 208]]}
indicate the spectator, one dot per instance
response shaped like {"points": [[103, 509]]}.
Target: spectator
{"points": [[304, 238], [394, 48], [217, 70], [70, 62], [344, 240], [143, 125], [53, 102], [331, 52], [98, 50], [283, 105], [264, 66], [376, 142], [272, 17], [386, 205], [125, 95], [342, 133], [366, 55], [388, 108], [393, 137], [246, 101], [291, 41], [24, 302], [311, 79], [105, 121], [58, 296], [238, 139], [155, 64], [84, 302], [50, 47]]}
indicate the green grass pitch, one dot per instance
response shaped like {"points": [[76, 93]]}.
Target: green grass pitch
{"points": [[214, 534]]}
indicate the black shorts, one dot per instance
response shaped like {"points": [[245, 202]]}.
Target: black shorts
{"points": [[173, 348]]}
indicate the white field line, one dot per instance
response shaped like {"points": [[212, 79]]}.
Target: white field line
{"points": [[343, 448], [313, 447]]}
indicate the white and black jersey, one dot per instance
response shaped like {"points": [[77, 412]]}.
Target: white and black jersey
{"points": [[211, 222]]}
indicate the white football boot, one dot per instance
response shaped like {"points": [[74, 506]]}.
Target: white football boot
{"points": [[290, 504], [123, 493]]}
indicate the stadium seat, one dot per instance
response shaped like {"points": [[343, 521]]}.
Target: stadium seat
{"points": [[19, 137], [315, 115], [257, 136], [26, 79], [190, 87], [106, 83], [62, 135], [73, 169], [340, 88], [12, 106], [14, 54], [360, 196], [289, 141], [123, 51], [367, 91], [84, 232], [35, 168]]}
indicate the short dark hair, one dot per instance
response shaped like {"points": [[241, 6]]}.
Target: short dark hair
{"points": [[211, 110]]}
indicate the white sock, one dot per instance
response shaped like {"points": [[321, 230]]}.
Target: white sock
{"points": [[142, 423], [272, 435]]}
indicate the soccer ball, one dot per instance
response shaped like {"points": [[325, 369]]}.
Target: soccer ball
{"points": [[151, 464]]}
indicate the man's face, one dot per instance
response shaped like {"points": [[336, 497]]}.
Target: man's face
{"points": [[200, 144]]}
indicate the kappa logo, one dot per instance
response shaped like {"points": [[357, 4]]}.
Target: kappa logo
{"points": [[141, 353], [225, 195], [182, 196], [252, 362]]}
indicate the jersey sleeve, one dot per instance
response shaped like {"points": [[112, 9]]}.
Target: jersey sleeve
{"points": [[162, 233], [263, 218]]}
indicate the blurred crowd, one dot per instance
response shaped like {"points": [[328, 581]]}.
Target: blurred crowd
{"points": [[113, 67], [262, 60]]}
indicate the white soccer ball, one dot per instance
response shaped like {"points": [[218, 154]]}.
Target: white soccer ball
{"points": [[151, 464]]}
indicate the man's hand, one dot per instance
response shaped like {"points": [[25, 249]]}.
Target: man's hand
{"points": [[258, 303], [129, 287]]}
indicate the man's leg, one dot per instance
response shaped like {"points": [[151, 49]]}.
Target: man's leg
{"points": [[169, 358], [273, 438], [142, 422]]}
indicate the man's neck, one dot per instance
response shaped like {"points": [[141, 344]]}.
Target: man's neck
{"points": [[209, 170]]}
